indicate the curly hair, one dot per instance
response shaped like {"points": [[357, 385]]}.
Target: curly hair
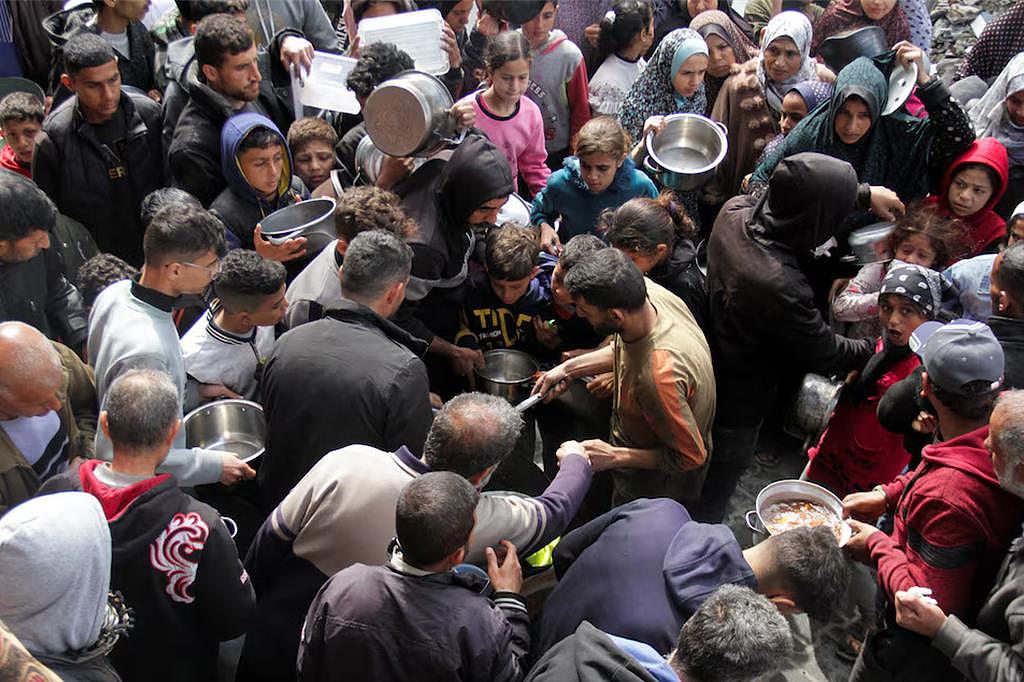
{"points": [[377, 63], [219, 35], [511, 252], [99, 272], [371, 208], [20, 106], [310, 129], [246, 279], [948, 236]]}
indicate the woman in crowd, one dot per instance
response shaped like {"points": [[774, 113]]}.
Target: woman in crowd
{"points": [[751, 99], [727, 46], [847, 15], [627, 32], [1000, 114]]}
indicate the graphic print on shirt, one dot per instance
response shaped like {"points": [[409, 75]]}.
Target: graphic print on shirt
{"points": [[172, 552]]}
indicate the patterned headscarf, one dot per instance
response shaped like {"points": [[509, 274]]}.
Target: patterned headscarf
{"points": [[797, 27], [989, 116], [813, 93], [652, 93], [921, 285], [714, 22], [846, 15]]}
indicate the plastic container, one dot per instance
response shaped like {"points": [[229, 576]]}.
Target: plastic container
{"points": [[324, 86], [869, 244], [416, 33]]}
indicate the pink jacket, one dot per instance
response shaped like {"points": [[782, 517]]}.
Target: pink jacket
{"points": [[520, 136]]}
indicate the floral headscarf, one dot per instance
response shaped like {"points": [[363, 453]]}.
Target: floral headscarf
{"points": [[797, 27], [988, 114]]}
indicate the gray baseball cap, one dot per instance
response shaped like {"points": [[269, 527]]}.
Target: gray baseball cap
{"points": [[958, 354]]}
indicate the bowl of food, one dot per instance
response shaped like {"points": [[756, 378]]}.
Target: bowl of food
{"points": [[788, 504], [236, 426]]}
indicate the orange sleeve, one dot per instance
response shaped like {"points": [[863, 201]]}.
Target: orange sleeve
{"points": [[672, 420]]}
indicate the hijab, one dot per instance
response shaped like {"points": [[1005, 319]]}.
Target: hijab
{"points": [[921, 285], [988, 114], [846, 15], [797, 27], [812, 93], [652, 93], [714, 22]]}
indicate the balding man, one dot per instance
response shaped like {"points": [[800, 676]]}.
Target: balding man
{"points": [[995, 649], [40, 385]]}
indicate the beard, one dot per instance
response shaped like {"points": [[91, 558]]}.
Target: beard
{"points": [[606, 328]]}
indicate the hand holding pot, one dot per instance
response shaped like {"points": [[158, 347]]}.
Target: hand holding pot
{"points": [[886, 204], [465, 360], [655, 123], [234, 470], [282, 253], [463, 112], [552, 383], [857, 546]]}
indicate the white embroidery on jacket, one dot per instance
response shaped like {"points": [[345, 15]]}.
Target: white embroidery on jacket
{"points": [[172, 552]]}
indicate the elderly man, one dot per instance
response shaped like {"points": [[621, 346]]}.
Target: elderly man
{"points": [[995, 649], [664, 385], [42, 387]]}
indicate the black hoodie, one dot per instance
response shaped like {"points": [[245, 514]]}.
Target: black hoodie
{"points": [[588, 655]]}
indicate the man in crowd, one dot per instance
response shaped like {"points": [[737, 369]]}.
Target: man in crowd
{"points": [[173, 558], [952, 520], [343, 512], [735, 635], [131, 327], [664, 382], [352, 377], [47, 411], [1007, 319], [99, 153], [640, 570], [415, 617], [33, 288]]}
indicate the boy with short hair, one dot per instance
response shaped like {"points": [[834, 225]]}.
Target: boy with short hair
{"points": [[229, 345], [21, 119], [503, 302], [312, 143]]}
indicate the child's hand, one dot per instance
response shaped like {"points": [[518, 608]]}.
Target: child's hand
{"points": [[288, 250], [393, 169], [925, 423], [601, 385], [463, 112], [549, 240], [907, 54], [547, 334], [918, 613]]}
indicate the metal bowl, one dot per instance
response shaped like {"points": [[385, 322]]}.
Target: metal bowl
{"points": [[815, 402], [305, 217], [791, 490], [842, 48], [410, 115], [685, 153], [236, 426], [507, 373]]}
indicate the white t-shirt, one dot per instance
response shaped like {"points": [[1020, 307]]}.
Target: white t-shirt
{"points": [[118, 41], [215, 356], [36, 439], [611, 83]]}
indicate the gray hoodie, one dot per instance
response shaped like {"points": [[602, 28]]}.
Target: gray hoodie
{"points": [[267, 17]]}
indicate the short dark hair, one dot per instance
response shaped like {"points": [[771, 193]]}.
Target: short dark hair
{"points": [[1010, 275], [505, 47], [736, 635], [377, 63], [84, 51], [977, 403], [374, 261], [808, 563], [310, 129], [161, 198], [366, 207], [511, 252], [141, 405], [197, 10], [219, 35], [20, 106], [360, 7], [24, 206], [607, 279], [180, 233], [260, 137], [99, 272], [578, 248], [471, 433], [246, 280], [434, 517]]}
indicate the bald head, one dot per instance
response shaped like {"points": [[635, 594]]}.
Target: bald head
{"points": [[30, 372]]}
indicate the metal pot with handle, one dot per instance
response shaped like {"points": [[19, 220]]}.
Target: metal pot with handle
{"points": [[815, 402], [410, 115], [792, 490], [507, 373], [684, 154]]}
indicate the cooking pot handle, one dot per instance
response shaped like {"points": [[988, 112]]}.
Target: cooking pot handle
{"points": [[753, 523], [721, 125], [651, 166], [231, 525], [456, 141]]}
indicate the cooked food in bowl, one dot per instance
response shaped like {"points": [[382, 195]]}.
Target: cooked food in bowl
{"points": [[789, 514]]}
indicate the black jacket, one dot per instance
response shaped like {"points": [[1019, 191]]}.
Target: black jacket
{"points": [[177, 567], [1010, 333], [97, 186], [763, 321], [680, 274], [37, 293], [350, 378], [588, 655]]}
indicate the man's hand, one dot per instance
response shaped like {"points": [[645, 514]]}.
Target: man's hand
{"points": [[464, 114], [288, 250], [918, 613], [886, 204], [214, 391], [297, 56], [554, 382], [450, 45], [393, 169], [592, 34], [234, 470], [869, 505], [857, 547], [602, 455], [601, 386], [549, 240], [571, 447], [465, 360], [508, 576]]}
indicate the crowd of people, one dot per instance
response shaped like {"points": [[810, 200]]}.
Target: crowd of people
{"points": [[401, 522]]}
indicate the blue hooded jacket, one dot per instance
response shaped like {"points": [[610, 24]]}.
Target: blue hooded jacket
{"points": [[239, 205]]}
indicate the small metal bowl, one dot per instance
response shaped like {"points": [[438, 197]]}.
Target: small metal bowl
{"points": [[304, 217], [236, 426]]}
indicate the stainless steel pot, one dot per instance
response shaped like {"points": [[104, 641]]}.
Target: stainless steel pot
{"points": [[236, 426], [815, 402], [790, 490], [842, 48], [507, 373], [369, 160], [410, 115], [304, 218], [685, 153]]}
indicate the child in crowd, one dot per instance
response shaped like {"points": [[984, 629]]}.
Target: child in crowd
{"points": [[856, 453], [972, 186], [502, 303], [312, 143], [258, 168], [922, 237], [21, 119], [513, 123], [558, 82], [229, 346], [600, 176], [627, 33]]}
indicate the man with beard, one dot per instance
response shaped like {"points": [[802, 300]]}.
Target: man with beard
{"points": [[664, 390]]}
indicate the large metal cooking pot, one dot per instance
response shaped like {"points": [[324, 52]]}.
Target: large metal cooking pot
{"points": [[788, 491], [313, 216], [369, 160], [410, 115], [842, 48], [684, 154], [236, 426], [507, 373], [815, 402]]}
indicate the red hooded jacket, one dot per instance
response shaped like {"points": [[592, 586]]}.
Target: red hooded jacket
{"points": [[986, 226], [952, 525]]}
